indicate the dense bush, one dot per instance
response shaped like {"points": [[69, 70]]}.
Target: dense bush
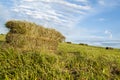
{"points": [[29, 36]]}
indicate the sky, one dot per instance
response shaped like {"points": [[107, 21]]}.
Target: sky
{"points": [[75, 19]]}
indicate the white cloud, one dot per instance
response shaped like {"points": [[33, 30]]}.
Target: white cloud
{"points": [[109, 3], [109, 33], [85, 1], [53, 12], [62, 15], [29, 0]]}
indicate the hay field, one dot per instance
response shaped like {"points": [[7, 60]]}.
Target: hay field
{"points": [[70, 62]]}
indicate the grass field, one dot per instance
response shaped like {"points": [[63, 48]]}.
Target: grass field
{"points": [[2, 38], [70, 62]]}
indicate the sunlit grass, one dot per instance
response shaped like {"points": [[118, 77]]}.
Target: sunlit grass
{"points": [[70, 62], [2, 37]]}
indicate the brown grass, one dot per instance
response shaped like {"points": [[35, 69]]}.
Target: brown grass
{"points": [[25, 35]]}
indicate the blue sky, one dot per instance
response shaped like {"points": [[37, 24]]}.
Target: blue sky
{"points": [[76, 19]]}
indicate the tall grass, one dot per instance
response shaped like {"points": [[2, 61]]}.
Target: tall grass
{"points": [[2, 38], [71, 62]]}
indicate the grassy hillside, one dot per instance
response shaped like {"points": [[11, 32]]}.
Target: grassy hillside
{"points": [[2, 38], [70, 62]]}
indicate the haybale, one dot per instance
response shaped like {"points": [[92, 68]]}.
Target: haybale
{"points": [[25, 35]]}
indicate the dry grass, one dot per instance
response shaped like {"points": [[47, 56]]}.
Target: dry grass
{"points": [[29, 36]]}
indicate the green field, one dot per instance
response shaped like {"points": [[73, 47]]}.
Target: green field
{"points": [[2, 37], [70, 62]]}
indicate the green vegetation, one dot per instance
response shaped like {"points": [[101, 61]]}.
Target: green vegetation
{"points": [[2, 38], [71, 62], [28, 36]]}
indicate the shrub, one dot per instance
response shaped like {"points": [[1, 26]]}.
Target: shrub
{"points": [[83, 44], [69, 42], [109, 48]]}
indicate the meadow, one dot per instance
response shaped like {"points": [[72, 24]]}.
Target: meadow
{"points": [[69, 62]]}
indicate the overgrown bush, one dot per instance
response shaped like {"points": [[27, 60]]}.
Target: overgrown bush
{"points": [[25, 35]]}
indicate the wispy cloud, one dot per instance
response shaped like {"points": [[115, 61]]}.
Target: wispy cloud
{"points": [[57, 12], [62, 15], [109, 33], [109, 3]]}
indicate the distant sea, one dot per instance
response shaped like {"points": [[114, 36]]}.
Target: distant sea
{"points": [[101, 43]]}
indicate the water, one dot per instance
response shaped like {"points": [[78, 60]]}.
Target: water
{"points": [[102, 43]]}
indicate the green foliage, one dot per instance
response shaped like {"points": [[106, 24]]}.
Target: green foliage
{"points": [[71, 62], [29, 36], [2, 37]]}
